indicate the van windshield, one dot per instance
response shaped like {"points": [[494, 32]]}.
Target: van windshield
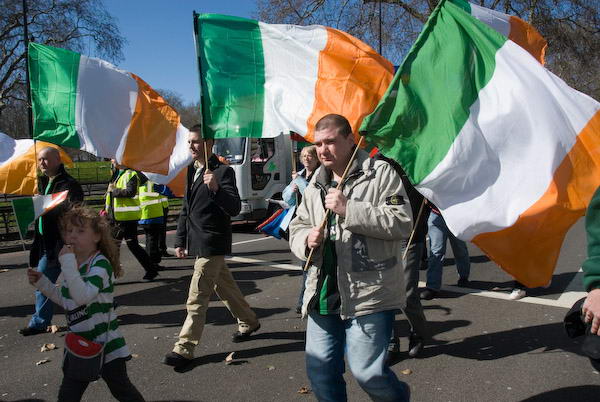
{"points": [[232, 149]]}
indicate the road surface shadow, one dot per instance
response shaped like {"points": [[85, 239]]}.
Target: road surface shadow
{"points": [[498, 345], [580, 393], [242, 355], [214, 315], [260, 252], [174, 291], [559, 284]]}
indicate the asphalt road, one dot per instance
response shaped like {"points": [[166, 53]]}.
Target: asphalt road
{"points": [[485, 347]]}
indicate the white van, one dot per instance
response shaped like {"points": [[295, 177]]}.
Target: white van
{"points": [[263, 168]]}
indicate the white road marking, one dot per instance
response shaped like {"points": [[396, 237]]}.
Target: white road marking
{"points": [[566, 299], [251, 241], [244, 260]]}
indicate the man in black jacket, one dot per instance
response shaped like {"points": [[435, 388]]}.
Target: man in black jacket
{"points": [[204, 231], [47, 241]]}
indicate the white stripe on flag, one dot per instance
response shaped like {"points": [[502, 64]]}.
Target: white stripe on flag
{"points": [[497, 20], [106, 99], [180, 158], [11, 149], [291, 55]]}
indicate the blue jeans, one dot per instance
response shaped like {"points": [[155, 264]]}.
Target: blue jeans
{"points": [[438, 234], [364, 340], [44, 308]]}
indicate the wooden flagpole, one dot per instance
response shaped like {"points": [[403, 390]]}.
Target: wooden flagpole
{"points": [[26, 44], [199, 64], [414, 228], [294, 166]]}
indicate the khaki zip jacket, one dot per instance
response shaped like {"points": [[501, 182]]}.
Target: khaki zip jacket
{"points": [[368, 246]]}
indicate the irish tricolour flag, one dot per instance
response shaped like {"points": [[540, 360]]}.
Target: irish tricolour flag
{"points": [[18, 164], [507, 151], [259, 80], [89, 104], [28, 209]]}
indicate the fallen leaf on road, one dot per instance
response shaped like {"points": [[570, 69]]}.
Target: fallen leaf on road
{"points": [[304, 390], [229, 358], [135, 355], [271, 368], [3, 270], [156, 337], [54, 329], [47, 346], [43, 362], [406, 371]]}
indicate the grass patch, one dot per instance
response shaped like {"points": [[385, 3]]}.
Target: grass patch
{"points": [[91, 172]]}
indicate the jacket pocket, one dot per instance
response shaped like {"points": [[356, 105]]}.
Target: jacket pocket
{"points": [[365, 259]]}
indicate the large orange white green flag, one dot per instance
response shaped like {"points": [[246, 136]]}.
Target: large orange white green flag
{"points": [[89, 104], [507, 151], [261, 80], [18, 164]]}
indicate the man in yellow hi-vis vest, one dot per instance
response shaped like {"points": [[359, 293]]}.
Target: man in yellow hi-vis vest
{"points": [[152, 218], [124, 211]]}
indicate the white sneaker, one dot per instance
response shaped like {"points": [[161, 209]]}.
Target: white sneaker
{"points": [[517, 294]]}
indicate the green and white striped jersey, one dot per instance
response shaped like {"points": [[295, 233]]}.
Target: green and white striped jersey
{"points": [[87, 296]]}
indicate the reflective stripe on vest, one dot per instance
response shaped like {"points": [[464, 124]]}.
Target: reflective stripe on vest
{"points": [[125, 208], [150, 201], [165, 202]]}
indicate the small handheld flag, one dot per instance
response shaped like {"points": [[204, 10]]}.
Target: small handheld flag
{"points": [[28, 209]]}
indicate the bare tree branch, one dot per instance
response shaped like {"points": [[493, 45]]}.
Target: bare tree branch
{"points": [[407, 7]]}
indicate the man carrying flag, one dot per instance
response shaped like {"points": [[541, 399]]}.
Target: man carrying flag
{"points": [[204, 231], [353, 280], [47, 240]]}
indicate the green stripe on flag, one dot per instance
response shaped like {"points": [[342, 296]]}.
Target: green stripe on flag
{"points": [[232, 76], [465, 5], [428, 101], [24, 213], [53, 74]]}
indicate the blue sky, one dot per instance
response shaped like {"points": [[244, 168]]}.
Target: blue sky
{"points": [[160, 46]]}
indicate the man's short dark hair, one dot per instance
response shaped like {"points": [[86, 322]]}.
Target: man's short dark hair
{"points": [[335, 122], [196, 128]]}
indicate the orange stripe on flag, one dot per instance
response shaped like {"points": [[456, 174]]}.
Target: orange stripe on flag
{"points": [[526, 36], [528, 250], [19, 177], [349, 86], [177, 185], [151, 136]]}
